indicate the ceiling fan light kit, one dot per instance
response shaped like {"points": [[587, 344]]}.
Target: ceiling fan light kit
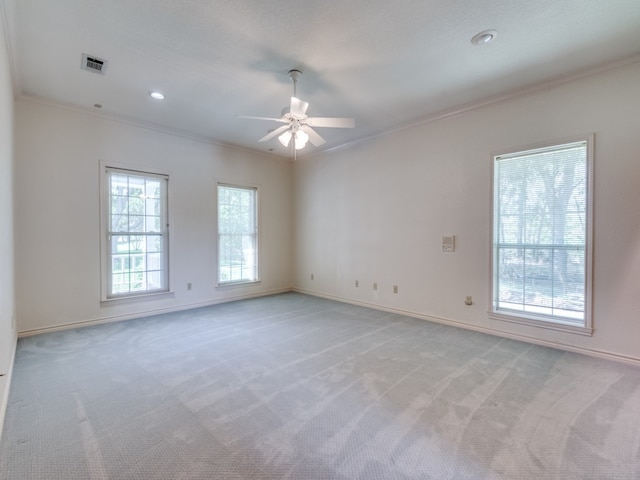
{"points": [[285, 138], [301, 139], [298, 124]]}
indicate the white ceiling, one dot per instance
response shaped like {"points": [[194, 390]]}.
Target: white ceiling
{"points": [[385, 63]]}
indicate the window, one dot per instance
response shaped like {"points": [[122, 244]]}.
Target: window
{"points": [[137, 249], [237, 234], [541, 236]]}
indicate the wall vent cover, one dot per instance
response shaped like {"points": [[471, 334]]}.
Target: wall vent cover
{"points": [[93, 64]]}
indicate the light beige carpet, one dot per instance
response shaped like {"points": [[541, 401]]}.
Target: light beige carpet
{"points": [[296, 387]]}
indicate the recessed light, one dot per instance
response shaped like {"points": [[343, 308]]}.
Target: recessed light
{"points": [[484, 37], [156, 95]]}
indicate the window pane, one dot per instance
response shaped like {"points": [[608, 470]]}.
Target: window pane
{"points": [[119, 184], [120, 282], [136, 223], [538, 284], [136, 206], [117, 265], [153, 224], [154, 261], [139, 264], [154, 244], [152, 188], [119, 244], [152, 206], [509, 284], [136, 186], [154, 279]]}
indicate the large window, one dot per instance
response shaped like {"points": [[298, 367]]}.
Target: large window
{"points": [[541, 236], [237, 234], [136, 233]]}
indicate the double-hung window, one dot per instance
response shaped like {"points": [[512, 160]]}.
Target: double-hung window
{"points": [[237, 234], [541, 260], [137, 239]]}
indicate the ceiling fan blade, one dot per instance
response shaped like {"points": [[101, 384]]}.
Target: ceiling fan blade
{"points": [[334, 122], [281, 120], [298, 107], [274, 133], [315, 139]]}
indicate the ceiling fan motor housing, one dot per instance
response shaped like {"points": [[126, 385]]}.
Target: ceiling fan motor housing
{"points": [[298, 124], [295, 74]]}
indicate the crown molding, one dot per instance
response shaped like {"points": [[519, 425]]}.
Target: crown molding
{"points": [[491, 100], [125, 120]]}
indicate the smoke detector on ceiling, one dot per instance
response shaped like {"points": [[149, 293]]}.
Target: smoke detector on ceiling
{"points": [[93, 64]]}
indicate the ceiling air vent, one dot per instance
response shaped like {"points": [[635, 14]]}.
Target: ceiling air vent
{"points": [[93, 64]]}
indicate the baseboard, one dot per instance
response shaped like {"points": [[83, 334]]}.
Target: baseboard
{"points": [[5, 385], [148, 313], [491, 331]]}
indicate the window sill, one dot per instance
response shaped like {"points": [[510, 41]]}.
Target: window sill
{"points": [[136, 298], [541, 323], [243, 283]]}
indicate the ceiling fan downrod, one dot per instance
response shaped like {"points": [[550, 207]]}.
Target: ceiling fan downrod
{"points": [[294, 75]]}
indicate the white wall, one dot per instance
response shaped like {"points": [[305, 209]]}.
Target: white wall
{"points": [[7, 295], [377, 212], [58, 151]]}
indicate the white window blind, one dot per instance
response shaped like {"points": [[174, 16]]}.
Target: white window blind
{"points": [[237, 234], [541, 233]]}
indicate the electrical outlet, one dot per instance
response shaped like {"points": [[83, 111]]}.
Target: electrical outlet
{"points": [[375, 286], [189, 286], [468, 300], [312, 277], [395, 289], [357, 283]]}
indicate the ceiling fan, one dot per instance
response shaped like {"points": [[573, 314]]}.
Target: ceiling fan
{"points": [[298, 124]]}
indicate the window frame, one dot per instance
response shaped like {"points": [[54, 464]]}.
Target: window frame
{"points": [[256, 234], [107, 295], [526, 318]]}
